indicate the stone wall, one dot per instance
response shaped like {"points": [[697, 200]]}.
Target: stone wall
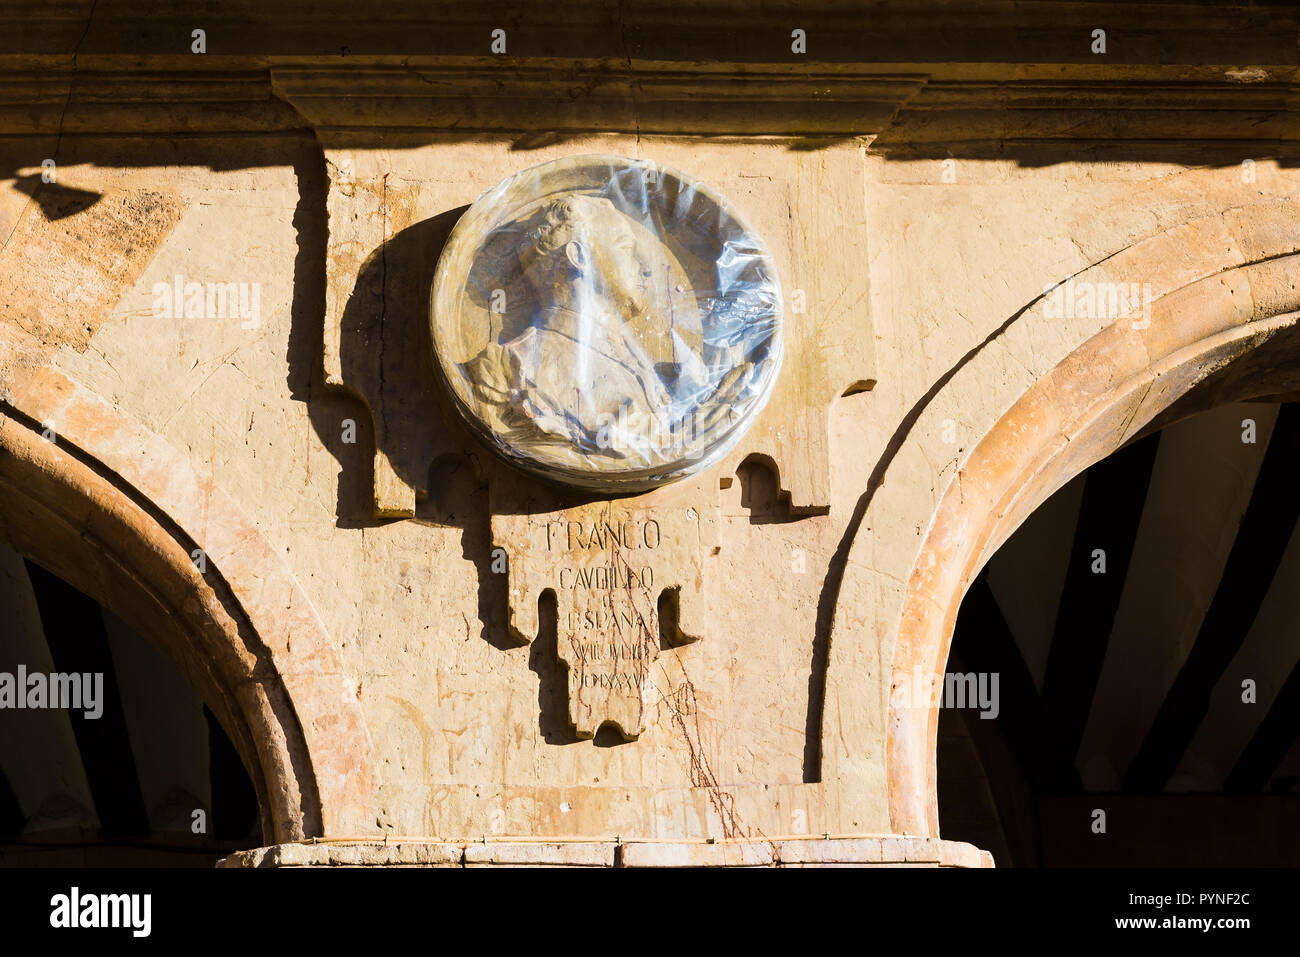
{"points": [[345, 617]]}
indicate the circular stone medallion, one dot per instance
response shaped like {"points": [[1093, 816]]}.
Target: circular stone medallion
{"points": [[606, 323]]}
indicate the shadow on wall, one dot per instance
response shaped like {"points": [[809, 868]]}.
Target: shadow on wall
{"points": [[385, 338], [385, 334]]}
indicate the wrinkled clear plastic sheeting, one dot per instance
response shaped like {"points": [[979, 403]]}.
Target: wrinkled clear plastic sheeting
{"points": [[606, 323]]}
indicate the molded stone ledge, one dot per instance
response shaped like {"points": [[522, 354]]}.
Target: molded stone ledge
{"points": [[560, 854], [358, 854], [885, 850]]}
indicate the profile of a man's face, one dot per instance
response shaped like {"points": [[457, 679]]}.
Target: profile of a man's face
{"points": [[582, 252], [611, 320]]}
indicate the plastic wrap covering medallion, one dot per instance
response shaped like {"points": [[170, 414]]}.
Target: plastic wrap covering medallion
{"points": [[606, 323]]}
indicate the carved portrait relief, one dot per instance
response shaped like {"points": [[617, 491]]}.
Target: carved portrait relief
{"points": [[606, 323]]}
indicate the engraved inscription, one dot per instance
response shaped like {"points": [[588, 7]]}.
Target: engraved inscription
{"points": [[570, 536], [608, 563], [609, 627]]}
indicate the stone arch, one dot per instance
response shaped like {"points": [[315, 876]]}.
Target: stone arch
{"points": [[114, 510], [1224, 291]]}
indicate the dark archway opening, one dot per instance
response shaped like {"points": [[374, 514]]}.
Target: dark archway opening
{"points": [[1142, 628], [123, 764]]}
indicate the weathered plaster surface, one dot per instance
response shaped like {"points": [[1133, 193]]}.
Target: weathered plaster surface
{"points": [[367, 576]]}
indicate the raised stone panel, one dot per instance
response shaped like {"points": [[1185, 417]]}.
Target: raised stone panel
{"points": [[391, 210], [609, 564]]}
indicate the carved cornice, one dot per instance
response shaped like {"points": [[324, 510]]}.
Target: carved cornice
{"points": [[956, 118], [930, 71], [925, 109], [928, 76], [125, 100], [647, 98]]}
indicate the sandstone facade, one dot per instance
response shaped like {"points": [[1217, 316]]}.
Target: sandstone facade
{"points": [[214, 340]]}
